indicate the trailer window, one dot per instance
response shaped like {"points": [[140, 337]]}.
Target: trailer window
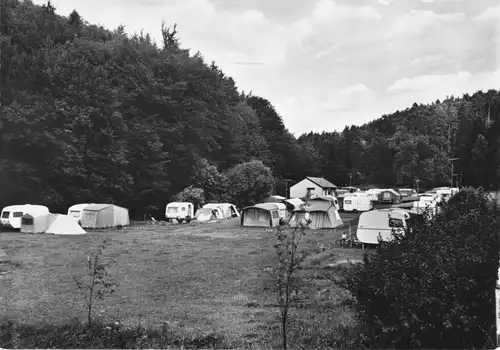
{"points": [[347, 201], [172, 210], [18, 214], [275, 214], [5, 214], [26, 221], [183, 209], [75, 213], [395, 223]]}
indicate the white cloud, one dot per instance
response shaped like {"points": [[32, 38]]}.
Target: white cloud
{"points": [[331, 65], [491, 13], [328, 10]]}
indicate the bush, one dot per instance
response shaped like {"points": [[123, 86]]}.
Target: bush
{"points": [[78, 335], [434, 288]]}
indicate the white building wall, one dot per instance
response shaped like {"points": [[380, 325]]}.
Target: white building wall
{"points": [[299, 190]]}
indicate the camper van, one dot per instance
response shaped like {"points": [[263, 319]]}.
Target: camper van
{"points": [[181, 211], [76, 211], [11, 215], [381, 223], [357, 203]]}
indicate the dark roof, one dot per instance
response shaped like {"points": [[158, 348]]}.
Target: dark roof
{"points": [[321, 182]]}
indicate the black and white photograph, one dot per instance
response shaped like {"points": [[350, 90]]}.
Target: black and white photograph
{"points": [[249, 174]]}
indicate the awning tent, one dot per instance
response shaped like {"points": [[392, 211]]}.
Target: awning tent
{"points": [[261, 215], [104, 215], [321, 213], [207, 214], [226, 210]]}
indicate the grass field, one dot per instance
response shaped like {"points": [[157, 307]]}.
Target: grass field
{"points": [[205, 277]]}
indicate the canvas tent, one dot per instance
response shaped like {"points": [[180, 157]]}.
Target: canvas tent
{"points": [[36, 223], [65, 225], [207, 214], [321, 213], [226, 210], [389, 196], [104, 215], [261, 215]]}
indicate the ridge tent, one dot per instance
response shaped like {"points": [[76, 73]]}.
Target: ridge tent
{"points": [[261, 215], [104, 215], [65, 225], [321, 213], [37, 223]]}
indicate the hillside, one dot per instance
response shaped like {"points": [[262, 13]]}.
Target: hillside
{"points": [[90, 114]]}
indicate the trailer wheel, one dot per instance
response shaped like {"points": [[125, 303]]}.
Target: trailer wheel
{"points": [[355, 210], [180, 220], [188, 219]]}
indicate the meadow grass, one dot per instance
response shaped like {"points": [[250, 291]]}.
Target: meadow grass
{"points": [[197, 278]]}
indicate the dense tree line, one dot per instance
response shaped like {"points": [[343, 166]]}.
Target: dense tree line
{"points": [[90, 114], [417, 144]]}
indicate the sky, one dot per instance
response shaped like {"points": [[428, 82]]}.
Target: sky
{"points": [[325, 64]]}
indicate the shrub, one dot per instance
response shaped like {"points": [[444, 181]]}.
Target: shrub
{"points": [[434, 288]]}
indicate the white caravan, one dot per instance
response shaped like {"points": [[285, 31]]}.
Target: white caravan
{"points": [[380, 224], [181, 211], [358, 203], [11, 215], [446, 192], [76, 211]]}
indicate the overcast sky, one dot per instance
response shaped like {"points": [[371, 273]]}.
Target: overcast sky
{"points": [[325, 64]]}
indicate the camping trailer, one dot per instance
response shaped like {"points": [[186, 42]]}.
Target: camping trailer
{"points": [[11, 215], [380, 224], [181, 211], [322, 215], [104, 216], [261, 215], [292, 204], [76, 211], [357, 203]]}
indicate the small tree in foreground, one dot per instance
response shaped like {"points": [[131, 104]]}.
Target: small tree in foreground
{"points": [[286, 283], [96, 283]]}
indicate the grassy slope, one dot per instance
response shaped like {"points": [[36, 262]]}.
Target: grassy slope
{"points": [[206, 276]]}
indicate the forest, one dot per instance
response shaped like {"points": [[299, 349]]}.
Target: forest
{"points": [[91, 114]]}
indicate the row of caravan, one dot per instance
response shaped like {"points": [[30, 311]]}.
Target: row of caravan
{"points": [[38, 218]]}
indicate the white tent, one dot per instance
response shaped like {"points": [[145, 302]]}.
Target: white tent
{"points": [[36, 223], [225, 210], [65, 225], [207, 214]]}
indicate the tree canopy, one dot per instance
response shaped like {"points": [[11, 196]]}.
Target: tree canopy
{"points": [[91, 114]]}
